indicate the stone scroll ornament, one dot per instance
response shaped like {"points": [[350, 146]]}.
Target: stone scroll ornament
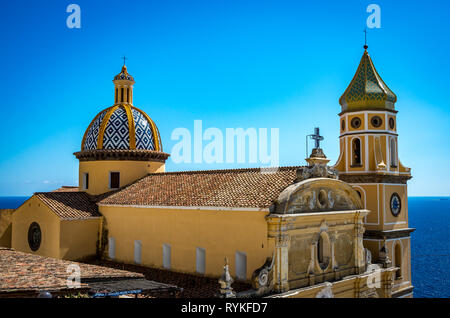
{"points": [[262, 278]]}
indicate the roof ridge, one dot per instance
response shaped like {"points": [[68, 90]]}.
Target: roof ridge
{"points": [[284, 168], [52, 192]]}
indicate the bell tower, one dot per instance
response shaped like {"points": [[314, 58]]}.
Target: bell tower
{"points": [[369, 161]]}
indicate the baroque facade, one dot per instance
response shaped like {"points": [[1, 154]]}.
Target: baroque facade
{"points": [[306, 231]]}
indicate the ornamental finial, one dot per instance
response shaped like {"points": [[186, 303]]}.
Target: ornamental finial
{"points": [[225, 281], [365, 39]]}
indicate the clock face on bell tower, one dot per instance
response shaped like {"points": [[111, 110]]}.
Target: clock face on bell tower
{"points": [[396, 204]]}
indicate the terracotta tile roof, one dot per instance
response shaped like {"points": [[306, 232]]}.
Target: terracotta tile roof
{"points": [[23, 272], [70, 205], [249, 188], [194, 286]]}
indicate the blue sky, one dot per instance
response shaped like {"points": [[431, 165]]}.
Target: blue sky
{"points": [[261, 64]]}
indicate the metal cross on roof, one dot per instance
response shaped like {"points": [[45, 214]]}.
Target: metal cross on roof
{"points": [[317, 137], [124, 58]]}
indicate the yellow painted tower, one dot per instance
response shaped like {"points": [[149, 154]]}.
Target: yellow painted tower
{"points": [[369, 161], [121, 145]]}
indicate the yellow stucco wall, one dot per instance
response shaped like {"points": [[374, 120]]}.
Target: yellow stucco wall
{"points": [[6, 227], [65, 239], [130, 171], [34, 210], [377, 197], [79, 238], [391, 221], [220, 233], [369, 198]]}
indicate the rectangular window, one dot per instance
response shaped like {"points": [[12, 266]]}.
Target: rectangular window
{"points": [[166, 256], [112, 248], [201, 260], [114, 180], [241, 265], [138, 252], [85, 181]]}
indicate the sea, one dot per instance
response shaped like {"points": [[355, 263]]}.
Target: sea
{"points": [[430, 248]]}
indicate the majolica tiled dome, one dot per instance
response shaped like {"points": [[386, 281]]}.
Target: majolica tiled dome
{"points": [[367, 90], [122, 127]]}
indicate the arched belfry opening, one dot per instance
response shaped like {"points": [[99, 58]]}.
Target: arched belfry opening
{"points": [[393, 151], [356, 152]]}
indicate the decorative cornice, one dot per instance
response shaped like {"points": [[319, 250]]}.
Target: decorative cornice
{"points": [[403, 292], [384, 235], [374, 178], [107, 154], [369, 109], [365, 132]]}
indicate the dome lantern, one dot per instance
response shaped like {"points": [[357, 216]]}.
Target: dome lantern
{"points": [[123, 83]]}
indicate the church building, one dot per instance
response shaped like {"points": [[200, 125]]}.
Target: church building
{"points": [[301, 231]]}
